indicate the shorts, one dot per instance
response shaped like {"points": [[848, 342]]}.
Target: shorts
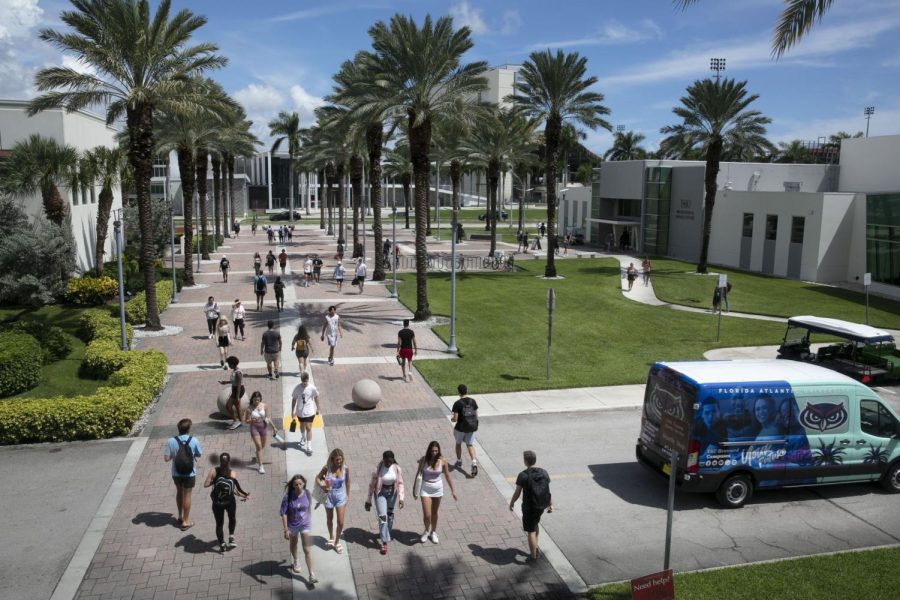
{"points": [[258, 428], [271, 357], [301, 353], [433, 489], [185, 482], [260, 294], [336, 498], [299, 530], [223, 341], [531, 517], [406, 353], [307, 419], [464, 437]]}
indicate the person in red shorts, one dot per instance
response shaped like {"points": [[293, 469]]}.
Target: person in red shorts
{"points": [[406, 349]]}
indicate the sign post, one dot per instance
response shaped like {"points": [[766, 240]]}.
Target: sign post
{"points": [[673, 434], [551, 304], [723, 289], [867, 281]]}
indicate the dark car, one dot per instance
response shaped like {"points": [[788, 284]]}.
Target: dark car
{"points": [[285, 216], [502, 215]]}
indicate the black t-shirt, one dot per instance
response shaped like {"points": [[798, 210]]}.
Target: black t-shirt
{"points": [[406, 336], [317, 264], [271, 341], [466, 421], [524, 481]]}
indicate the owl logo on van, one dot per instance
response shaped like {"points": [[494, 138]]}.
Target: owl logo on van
{"points": [[824, 416], [662, 401]]}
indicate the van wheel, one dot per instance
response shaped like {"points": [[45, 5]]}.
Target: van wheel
{"points": [[891, 479], [735, 491]]}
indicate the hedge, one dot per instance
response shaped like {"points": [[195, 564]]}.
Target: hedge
{"points": [[20, 363], [136, 308], [135, 378], [91, 290], [55, 343], [98, 323]]}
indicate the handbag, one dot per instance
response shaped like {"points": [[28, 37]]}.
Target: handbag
{"points": [[318, 494], [293, 425], [417, 487]]}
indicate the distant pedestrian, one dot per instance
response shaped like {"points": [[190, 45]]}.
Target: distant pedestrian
{"points": [[386, 249], [567, 241], [237, 317], [543, 229], [271, 235], [631, 274], [224, 484], [282, 260], [610, 242], [302, 346], [645, 269], [257, 416], [432, 469], [340, 251], [406, 349], [317, 268], [331, 330], [278, 286], [305, 407], [223, 339], [290, 233], [525, 241], [237, 228], [385, 490], [211, 311], [726, 291], [257, 263], [260, 286], [307, 271], [361, 274], [296, 516], [334, 479], [224, 266], [253, 228], [270, 262], [270, 348], [519, 241], [281, 234], [182, 451], [339, 276], [533, 484], [625, 240], [465, 415], [717, 298], [536, 244], [233, 405]]}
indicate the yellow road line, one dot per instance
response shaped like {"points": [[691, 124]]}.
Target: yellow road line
{"points": [[318, 423]]}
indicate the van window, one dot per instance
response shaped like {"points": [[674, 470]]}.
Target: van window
{"points": [[875, 419], [824, 414]]}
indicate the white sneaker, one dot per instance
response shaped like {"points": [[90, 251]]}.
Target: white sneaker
{"points": [[210, 336], [262, 470], [424, 537], [434, 537]]}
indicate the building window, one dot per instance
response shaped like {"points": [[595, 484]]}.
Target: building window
{"points": [[883, 237], [74, 196], [771, 227], [798, 224], [657, 198], [157, 189], [747, 228]]}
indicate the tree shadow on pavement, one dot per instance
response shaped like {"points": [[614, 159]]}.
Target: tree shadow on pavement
{"points": [[497, 556], [155, 519]]}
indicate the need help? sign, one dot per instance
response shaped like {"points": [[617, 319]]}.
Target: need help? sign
{"points": [[658, 586]]}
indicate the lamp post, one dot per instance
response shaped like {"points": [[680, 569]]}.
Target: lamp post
{"points": [[394, 235], [868, 112], [171, 234], [717, 65], [117, 231], [200, 239], [451, 346]]}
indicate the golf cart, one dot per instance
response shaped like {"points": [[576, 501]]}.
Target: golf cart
{"points": [[864, 353]]}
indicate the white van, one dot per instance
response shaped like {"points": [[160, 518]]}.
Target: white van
{"points": [[768, 424]]}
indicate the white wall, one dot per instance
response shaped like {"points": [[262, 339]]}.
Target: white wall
{"points": [[622, 179], [870, 164]]}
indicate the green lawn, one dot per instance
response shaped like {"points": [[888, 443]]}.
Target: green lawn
{"points": [[675, 282], [60, 377], [599, 337], [869, 575]]}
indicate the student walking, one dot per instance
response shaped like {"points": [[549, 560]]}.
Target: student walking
{"points": [[432, 470], [233, 406], [278, 286], [305, 407], [317, 268], [307, 271], [385, 489], [645, 270], [270, 233], [225, 485], [257, 263], [533, 484], [406, 349], [182, 451], [237, 317], [270, 348], [339, 276], [332, 330], [334, 479], [211, 311], [630, 275], [260, 286], [725, 292], [361, 274], [525, 241], [223, 341], [257, 416], [296, 516], [282, 260], [270, 262], [302, 346], [465, 415], [224, 265]]}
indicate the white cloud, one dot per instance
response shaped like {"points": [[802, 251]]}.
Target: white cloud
{"points": [[302, 15], [511, 22], [263, 102], [305, 103], [610, 34], [17, 17], [20, 51], [258, 99], [466, 16], [76, 64]]}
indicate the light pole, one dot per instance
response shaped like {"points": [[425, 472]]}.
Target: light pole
{"points": [[117, 231], [868, 112], [394, 234], [451, 347], [200, 239], [620, 128], [717, 65], [171, 234]]}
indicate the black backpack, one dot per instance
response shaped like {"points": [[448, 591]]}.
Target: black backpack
{"points": [[538, 492], [184, 458], [468, 415], [260, 284], [223, 491]]}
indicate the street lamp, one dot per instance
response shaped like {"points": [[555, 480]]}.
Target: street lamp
{"points": [[451, 346], [868, 112], [394, 234], [200, 239], [117, 231], [171, 234], [620, 128], [717, 65]]}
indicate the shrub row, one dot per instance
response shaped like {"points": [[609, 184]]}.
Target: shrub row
{"points": [[90, 290], [136, 308], [55, 344], [97, 323], [20, 363]]}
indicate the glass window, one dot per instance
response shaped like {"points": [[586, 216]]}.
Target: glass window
{"points": [[747, 229], [771, 227], [74, 196], [797, 226], [876, 420], [883, 237]]}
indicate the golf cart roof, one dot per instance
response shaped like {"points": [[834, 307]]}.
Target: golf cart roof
{"points": [[844, 329]]}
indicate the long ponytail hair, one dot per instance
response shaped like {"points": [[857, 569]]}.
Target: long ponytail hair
{"points": [[224, 468]]}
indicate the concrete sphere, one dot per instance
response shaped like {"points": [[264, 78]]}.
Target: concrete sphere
{"points": [[366, 394], [223, 398]]}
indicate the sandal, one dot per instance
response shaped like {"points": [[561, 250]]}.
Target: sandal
{"points": [[339, 548], [313, 580], [186, 526], [329, 543]]}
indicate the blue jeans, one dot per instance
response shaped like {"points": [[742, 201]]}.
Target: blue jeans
{"points": [[384, 506]]}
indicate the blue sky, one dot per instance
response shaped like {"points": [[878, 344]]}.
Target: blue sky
{"points": [[644, 52]]}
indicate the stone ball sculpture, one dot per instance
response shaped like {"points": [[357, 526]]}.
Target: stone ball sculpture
{"points": [[366, 394], [223, 398]]}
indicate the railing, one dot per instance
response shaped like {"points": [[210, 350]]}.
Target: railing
{"points": [[444, 263]]}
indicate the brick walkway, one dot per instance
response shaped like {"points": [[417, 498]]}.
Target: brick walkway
{"points": [[143, 554]]}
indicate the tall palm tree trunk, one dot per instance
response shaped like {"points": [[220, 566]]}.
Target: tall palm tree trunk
{"points": [[320, 175], [226, 222], [419, 141], [329, 197], [374, 141], [186, 168], [493, 178], [713, 154], [217, 195], [54, 204], [103, 210], [291, 186], [406, 181], [229, 163], [339, 174], [201, 193], [140, 153], [455, 179], [356, 174], [551, 137]]}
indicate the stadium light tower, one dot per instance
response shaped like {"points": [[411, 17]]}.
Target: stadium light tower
{"points": [[717, 65], [868, 112]]}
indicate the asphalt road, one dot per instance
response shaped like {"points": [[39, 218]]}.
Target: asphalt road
{"points": [[49, 495], [610, 515]]}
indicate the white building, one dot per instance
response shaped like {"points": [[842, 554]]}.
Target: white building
{"points": [[83, 131]]}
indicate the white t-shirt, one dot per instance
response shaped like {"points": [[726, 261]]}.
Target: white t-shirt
{"points": [[237, 312], [361, 270], [307, 266], [305, 398], [331, 332]]}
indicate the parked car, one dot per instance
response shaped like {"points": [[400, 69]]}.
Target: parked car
{"points": [[502, 215], [285, 216]]}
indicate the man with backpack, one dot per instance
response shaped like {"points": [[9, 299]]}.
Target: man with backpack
{"points": [[533, 484], [182, 451], [224, 265], [465, 415], [260, 286]]}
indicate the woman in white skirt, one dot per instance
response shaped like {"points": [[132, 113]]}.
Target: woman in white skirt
{"points": [[432, 469]]}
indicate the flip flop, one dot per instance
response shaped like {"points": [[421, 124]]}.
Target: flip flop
{"points": [[339, 548], [330, 542], [186, 526]]}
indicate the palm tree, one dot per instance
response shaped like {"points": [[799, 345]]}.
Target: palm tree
{"points": [[336, 144], [420, 75], [397, 165], [286, 128], [107, 166], [553, 88], [235, 140], [794, 152], [144, 64], [714, 115], [626, 146], [795, 21], [39, 164]]}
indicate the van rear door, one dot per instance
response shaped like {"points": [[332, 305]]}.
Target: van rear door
{"points": [[667, 392]]}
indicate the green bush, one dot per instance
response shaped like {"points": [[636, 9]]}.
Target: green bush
{"points": [[55, 343], [102, 358], [20, 363], [91, 290], [136, 308], [97, 323]]}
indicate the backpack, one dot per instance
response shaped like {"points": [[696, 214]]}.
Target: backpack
{"points": [[184, 458], [260, 284], [468, 416], [538, 492], [301, 345], [223, 491]]}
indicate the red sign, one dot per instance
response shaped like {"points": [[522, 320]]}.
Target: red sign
{"points": [[658, 586]]}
